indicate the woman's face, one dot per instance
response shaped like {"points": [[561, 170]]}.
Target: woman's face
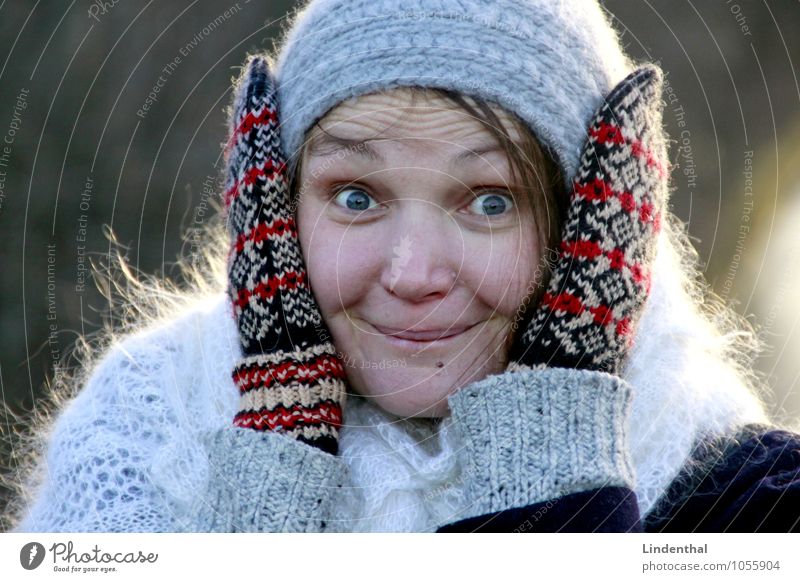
{"points": [[417, 249]]}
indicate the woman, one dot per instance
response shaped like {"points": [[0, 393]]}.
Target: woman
{"points": [[503, 334]]}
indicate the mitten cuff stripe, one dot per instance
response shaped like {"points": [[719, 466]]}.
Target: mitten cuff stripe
{"points": [[295, 395], [288, 418], [297, 355], [249, 375]]}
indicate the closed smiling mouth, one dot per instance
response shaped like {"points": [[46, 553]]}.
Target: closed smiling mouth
{"points": [[421, 336]]}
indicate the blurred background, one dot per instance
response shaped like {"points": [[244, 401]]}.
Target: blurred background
{"points": [[112, 117]]}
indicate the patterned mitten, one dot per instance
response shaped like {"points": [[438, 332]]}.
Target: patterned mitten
{"points": [[588, 315], [554, 423], [290, 379]]}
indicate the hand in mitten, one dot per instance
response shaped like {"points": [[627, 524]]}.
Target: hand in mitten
{"points": [[554, 423], [290, 379], [588, 315]]}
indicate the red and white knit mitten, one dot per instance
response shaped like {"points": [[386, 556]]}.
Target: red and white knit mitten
{"points": [[290, 379], [601, 281]]}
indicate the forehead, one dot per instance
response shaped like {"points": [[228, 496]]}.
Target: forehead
{"points": [[405, 114]]}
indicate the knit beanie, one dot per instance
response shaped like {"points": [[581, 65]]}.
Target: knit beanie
{"points": [[549, 61]]}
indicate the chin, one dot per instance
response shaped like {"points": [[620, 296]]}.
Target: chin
{"points": [[411, 395], [400, 406]]}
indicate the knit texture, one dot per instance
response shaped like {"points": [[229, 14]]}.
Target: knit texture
{"points": [[538, 435], [551, 63], [135, 450], [290, 378], [265, 482], [596, 294]]}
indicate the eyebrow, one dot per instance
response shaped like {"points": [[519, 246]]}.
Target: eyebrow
{"points": [[327, 144]]}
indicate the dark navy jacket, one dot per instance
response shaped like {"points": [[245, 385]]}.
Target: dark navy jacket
{"points": [[749, 483]]}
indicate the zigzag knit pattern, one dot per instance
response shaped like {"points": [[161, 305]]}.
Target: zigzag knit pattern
{"points": [[602, 280], [290, 378]]}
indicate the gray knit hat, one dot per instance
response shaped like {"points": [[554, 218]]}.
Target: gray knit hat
{"points": [[549, 61]]}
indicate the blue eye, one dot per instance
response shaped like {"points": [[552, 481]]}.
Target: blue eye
{"points": [[353, 199], [491, 204]]}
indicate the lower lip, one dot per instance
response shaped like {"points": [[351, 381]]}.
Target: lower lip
{"points": [[416, 344]]}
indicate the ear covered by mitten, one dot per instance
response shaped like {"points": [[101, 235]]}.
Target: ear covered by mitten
{"points": [[290, 378], [588, 315]]}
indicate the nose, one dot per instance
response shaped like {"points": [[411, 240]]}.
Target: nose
{"points": [[423, 250]]}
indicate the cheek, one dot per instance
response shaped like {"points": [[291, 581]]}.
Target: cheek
{"points": [[337, 259], [504, 270]]}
